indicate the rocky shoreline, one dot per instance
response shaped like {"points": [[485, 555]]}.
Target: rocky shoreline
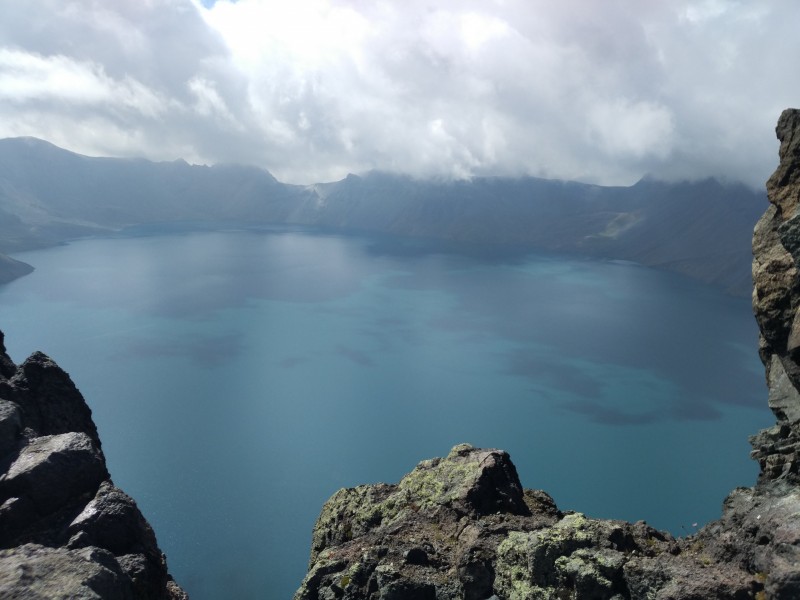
{"points": [[462, 527], [66, 531]]}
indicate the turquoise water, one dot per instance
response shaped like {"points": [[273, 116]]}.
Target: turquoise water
{"points": [[238, 378]]}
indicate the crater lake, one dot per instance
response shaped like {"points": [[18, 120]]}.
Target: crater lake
{"points": [[239, 377]]}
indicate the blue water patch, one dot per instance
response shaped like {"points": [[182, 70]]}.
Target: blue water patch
{"points": [[240, 377]]}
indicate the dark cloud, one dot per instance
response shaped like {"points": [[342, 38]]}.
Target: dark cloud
{"points": [[603, 92]]}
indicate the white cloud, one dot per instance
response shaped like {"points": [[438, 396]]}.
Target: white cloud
{"points": [[635, 129], [313, 89], [209, 103], [707, 10], [31, 78]]}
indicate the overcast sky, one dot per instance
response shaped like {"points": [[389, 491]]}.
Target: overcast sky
{"points": [[598, 91]]}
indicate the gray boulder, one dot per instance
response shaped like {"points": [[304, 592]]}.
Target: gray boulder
{"points": [[65, 530]]}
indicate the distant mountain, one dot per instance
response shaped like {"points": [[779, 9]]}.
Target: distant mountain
{"points": [[55, 194], [11, 269], [701, 229]]}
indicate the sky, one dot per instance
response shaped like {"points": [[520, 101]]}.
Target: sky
{"points": [[602, 92]]}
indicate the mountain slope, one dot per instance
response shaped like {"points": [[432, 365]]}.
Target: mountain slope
{"points": [[701, 229]]}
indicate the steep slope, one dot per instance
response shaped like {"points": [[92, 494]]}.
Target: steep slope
{"points": [[66, 531], [463, 527]]}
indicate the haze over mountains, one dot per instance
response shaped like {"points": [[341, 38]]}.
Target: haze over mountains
{"points": [[701, 229]]}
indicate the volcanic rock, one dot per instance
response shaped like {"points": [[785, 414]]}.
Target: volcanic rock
{"points": [[65, 530]]}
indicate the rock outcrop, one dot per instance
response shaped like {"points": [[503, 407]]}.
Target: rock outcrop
{"points": [[65, 530], [463, 527]]}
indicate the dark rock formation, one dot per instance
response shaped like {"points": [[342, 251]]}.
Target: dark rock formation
{"points": [[461, 526], [65, 530], [776, 300]]}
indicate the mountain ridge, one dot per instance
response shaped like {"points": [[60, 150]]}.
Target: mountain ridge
{"points": [[49, 195]]}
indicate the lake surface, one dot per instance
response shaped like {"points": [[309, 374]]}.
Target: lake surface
{"points": [[238, 378]]}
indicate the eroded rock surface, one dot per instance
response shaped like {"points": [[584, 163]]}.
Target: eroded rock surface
{"points": [[426, 537], [462, 527], [65, 530]]}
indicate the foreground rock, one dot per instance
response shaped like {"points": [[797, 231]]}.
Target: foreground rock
{"points": [[65, 530], [462, 527]]}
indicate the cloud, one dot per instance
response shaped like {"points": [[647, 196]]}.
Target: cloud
{"points": [[29, 78], [314, 89], [636, 129]]}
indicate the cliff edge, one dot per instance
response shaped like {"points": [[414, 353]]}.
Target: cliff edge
{"points": [[463, 527], [66, 531]]}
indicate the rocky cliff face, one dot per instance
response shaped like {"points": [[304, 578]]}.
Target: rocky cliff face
{"points": [[776, 302], [463, 527], [65, 530]]}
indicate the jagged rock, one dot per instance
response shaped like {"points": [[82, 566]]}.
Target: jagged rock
{"points": [[775, 289], [776, 303], [511, 553], [51, 470], [467, 482], [35, 572], [65, 530], [783, 184], [430, 536], [7, 366], [759, 532], [461, 528], [48, 398], [111, 520], [784, 399], [10, 427]]}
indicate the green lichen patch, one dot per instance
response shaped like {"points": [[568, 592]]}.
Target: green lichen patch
{"points": [[352, 512], [572, 557], [349, 513], [440, 483]]}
